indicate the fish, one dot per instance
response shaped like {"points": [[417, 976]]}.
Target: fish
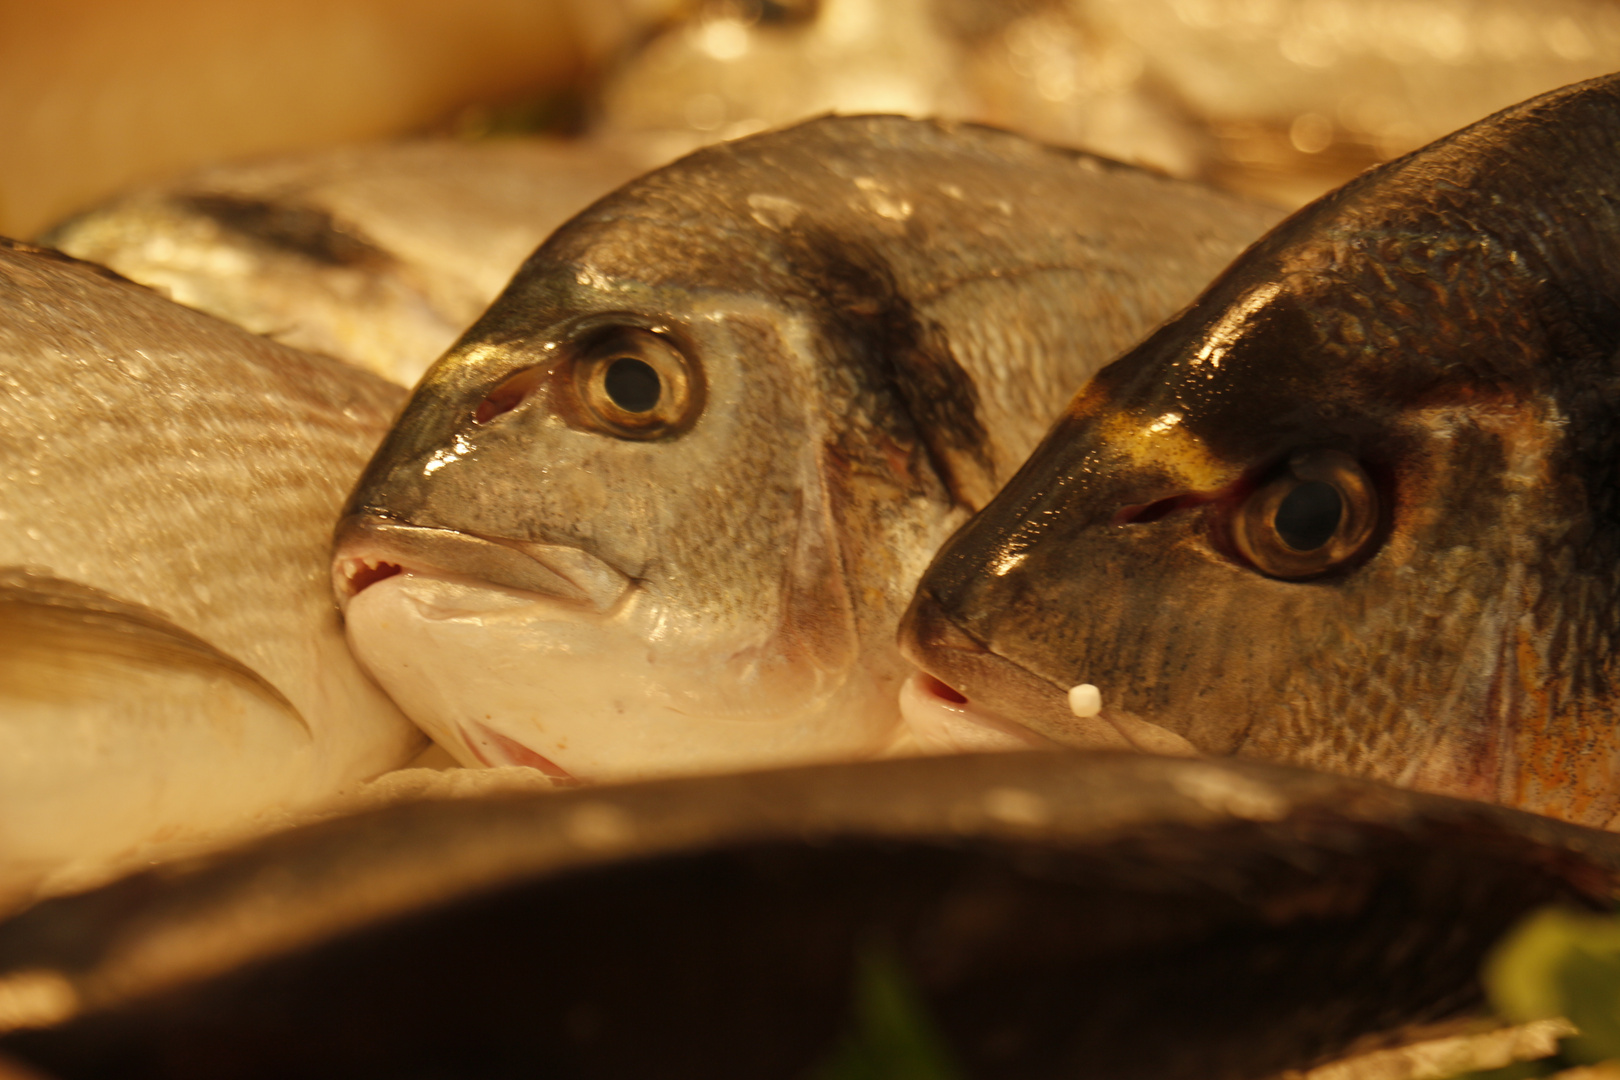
{"points": [[661, 507], [1352, 510], [1073, 914], [379, 254], [172, 668], [1285, 100]]}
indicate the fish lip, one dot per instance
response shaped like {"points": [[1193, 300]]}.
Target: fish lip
{"points": [[924, 698], [943, 649], [495, 750], [366, 542]]}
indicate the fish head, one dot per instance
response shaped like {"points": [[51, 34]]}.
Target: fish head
{"points": [[614, 531], [1347, 511]]}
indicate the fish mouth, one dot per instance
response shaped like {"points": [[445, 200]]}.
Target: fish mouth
{"points": [[942, 720], [495, 750], [369, 548], [964, 695]]}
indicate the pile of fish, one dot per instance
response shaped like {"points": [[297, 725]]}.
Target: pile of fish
{"points": [[171, 665], [376, 254], [660, 510], [1354, 509]]}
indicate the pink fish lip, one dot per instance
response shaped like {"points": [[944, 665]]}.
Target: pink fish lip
{"points": [[943, 718], [495, 750], [991, 687], [370, 548]]}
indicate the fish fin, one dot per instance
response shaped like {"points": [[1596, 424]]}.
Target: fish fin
{"points": [[60, 638]]}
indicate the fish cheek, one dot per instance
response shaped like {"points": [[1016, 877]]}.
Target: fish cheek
{"points": [[1137, 610]]}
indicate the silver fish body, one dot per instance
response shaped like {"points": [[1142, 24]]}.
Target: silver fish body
{"points": [[173, 666], [660, 509], [376, 254]]}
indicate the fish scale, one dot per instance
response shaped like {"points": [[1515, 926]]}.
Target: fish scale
{"points": [[876, 317], [1438, 340], [186, 473]]}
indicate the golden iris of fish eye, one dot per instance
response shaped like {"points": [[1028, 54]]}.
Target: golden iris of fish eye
{"points": [[1255, 531], [608, 363]]}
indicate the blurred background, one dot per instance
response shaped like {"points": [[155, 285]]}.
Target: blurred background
{"points": [[1280, 98]]}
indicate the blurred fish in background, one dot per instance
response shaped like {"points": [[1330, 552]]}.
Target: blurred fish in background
{"points": [[380, 254], [1280, 98]]}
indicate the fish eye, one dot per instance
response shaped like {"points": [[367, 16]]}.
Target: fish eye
{"points": [[635, 384], [1318, 513]]}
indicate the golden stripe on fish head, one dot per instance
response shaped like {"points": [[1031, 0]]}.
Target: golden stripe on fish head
{"points": [[1353, 509]]}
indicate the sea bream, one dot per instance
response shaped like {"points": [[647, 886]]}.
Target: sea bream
{"points": [[171, 667], [661, 508], [1355, 509]]}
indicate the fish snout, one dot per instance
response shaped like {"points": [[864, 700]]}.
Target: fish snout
{"points": [[369, 548], [965, 682]]}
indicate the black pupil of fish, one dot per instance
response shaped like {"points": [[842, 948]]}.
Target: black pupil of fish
{"points": [[1309, 515], [632, 384]]}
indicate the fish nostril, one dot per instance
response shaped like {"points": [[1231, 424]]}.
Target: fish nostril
{"points": [[507, 395], [1143, 513]]}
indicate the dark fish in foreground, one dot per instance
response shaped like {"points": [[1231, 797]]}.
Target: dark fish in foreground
{"points": [[170, 664], [376, 254], [1356, 508], [661, 508], [1063, 915]]}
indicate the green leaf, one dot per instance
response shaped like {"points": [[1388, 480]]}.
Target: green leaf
{"points": [[1563, 963], [892, 1037]]}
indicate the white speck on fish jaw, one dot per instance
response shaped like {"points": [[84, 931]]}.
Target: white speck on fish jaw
{"points": [[1085, 700], [938, 726]]}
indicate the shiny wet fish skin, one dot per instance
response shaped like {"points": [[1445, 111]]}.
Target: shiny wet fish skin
{"points": [[871, 321], [376, 254], [169, 487], [1436, 343]]}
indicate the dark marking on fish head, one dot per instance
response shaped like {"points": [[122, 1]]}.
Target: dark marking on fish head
{"points": [[1412, 331], [289, 227], [916, 394], [817, 397]]}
